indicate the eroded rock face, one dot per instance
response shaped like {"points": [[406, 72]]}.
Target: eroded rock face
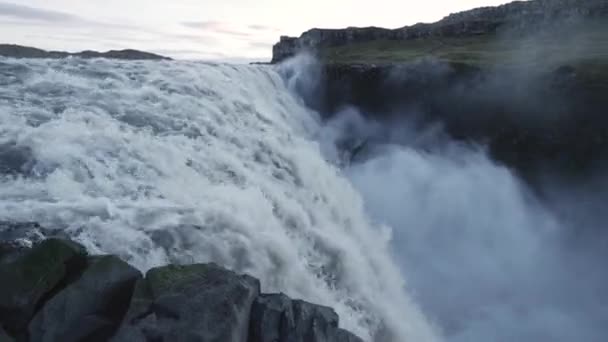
{"points": [[91, 308], [190, 303], [277, 318]]}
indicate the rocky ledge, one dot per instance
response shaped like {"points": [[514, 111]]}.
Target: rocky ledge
{"points": [[54, 291], [18, 51]]}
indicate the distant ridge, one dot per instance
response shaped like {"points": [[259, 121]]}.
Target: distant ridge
{"points": [[18, 51]]}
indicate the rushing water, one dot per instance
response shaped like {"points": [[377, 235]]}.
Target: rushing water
{"points": [[188, 162]]}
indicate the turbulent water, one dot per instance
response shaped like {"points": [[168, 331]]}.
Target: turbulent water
{"points": [[487, 257], [188, 162]]}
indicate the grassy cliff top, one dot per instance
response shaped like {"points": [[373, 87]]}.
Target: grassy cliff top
{"points": [[581, 46]]}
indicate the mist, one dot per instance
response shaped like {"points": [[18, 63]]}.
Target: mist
{"points": [[487, 255], [484, 258]]}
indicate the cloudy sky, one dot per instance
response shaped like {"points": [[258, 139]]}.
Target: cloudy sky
{"points": [[202, 29]]}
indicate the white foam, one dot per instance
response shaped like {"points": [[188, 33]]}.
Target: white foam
{"points": [[188, 162]]}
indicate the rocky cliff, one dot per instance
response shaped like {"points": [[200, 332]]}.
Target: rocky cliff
{"points": [[525, 79], [522, 16], [530, 121], [18, 51], [55, 291]]}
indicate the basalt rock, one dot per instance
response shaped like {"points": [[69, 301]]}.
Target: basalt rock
{"points": [[92, 307], [52, 291], [30, 281], [277, 318], [190, 303]]}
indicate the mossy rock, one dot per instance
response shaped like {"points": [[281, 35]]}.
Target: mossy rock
{"points": [[190, 303], [31, 279], [177, 278]]}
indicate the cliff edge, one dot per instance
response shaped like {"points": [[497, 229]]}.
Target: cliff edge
{"points": [[526, 79], [518, 18]]}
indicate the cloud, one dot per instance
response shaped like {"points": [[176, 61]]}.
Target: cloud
{"points": [[55, 29], [228, 28], [217, 27], [261, 45], [36, 14], [257, 27], [28, 16]]}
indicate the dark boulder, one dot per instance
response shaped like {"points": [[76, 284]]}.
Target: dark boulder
{"points": [[277, 318], [4, 337], [34, 277], [346, 336], [51, 290], [190, 303], [91, 308]]}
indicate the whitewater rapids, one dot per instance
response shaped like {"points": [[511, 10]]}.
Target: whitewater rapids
{"points": [[182, 162]]}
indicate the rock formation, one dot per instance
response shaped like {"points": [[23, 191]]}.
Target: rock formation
{"points": [[534, 110], [530, 122], [17, 51], [55, 291], [276, 317], [524, 16]]}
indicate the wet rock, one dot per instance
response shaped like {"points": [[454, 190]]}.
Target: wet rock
{"points": [[91, 308], [33, 278], [346, 336], [190, 303], [16, 238], [4, 336], [277, 318], [51, 291]]}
